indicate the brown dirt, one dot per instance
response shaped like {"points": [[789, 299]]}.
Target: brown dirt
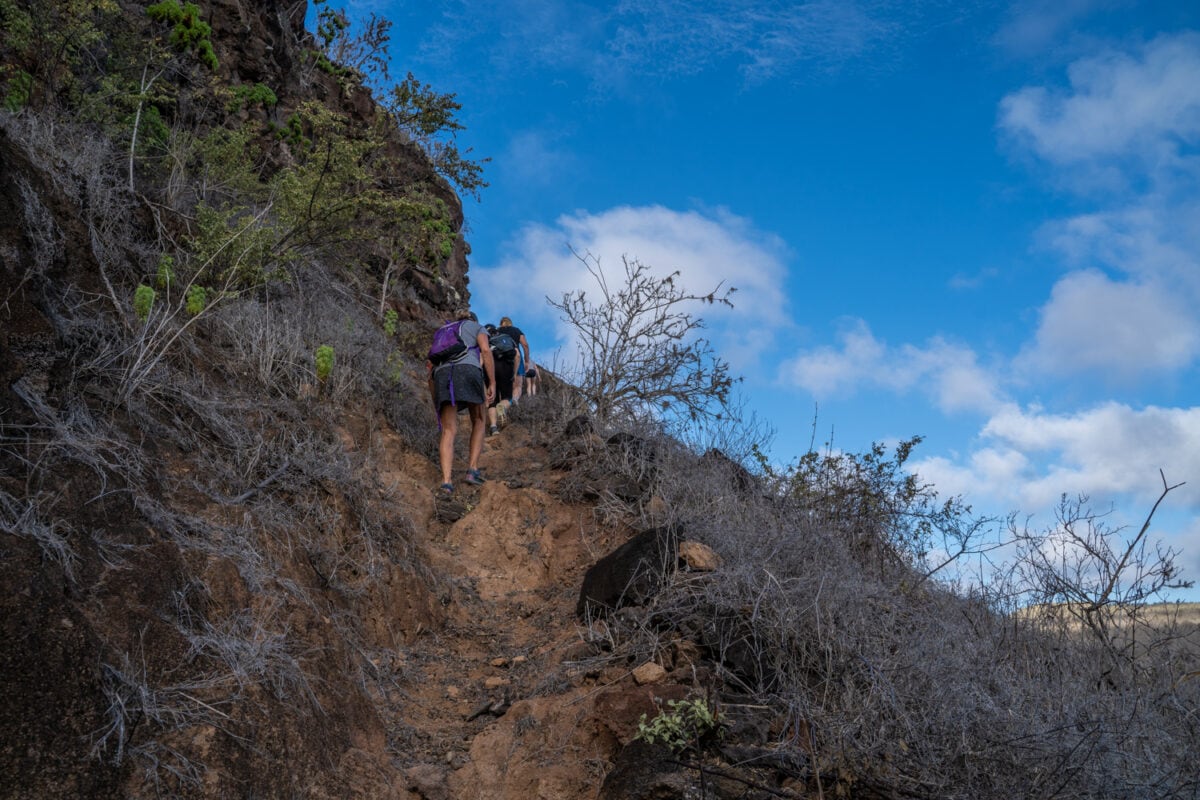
{"points": [[515, 560]]}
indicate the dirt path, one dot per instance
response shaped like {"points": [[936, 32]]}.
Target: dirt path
{"points": [[497, 702]]}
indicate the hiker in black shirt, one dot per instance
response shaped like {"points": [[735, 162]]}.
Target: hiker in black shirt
{"points": [[523, 362]]}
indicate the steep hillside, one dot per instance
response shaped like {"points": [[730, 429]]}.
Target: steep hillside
{"points": [[224, 571]]}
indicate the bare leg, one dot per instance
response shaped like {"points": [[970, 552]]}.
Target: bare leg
{"points": [[477, 432], [449, 417]]}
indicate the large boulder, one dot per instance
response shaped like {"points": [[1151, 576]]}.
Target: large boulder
{"points": [[631, 574]]}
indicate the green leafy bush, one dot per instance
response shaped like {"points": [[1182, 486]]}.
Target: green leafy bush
{"points": [[166, 273], [143, 301], [257, 95], [685, 725], [17, 89], [324, 360], [190, 32], [197, 299]]}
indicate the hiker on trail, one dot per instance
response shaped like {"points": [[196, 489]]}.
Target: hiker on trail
{"points": [[504, 354], [529, 386], [459, 363], [523, 362]]}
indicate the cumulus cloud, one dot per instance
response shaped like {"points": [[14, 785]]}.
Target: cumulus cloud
{"points": [[948, 372], [1143, 107], [708, 248], [1120, 329], [1128, 309], [1027, 458]]}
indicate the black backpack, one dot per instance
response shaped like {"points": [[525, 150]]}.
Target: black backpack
{"points": [[503, 346]]}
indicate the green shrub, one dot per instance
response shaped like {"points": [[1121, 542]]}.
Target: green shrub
{"points": [[685, 725], [324, 359], [236, 246], [190, 32], [389, 322], [197, 300], [17, 90], [394, 369], [166, 273], [257, 95], [143, 301]]}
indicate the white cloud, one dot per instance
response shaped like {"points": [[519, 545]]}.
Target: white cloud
{"points": [[1027, 458], [1118, 329], [1144, 107], [1156, 238], [1128, 121], [949, 373], [708, 248]]}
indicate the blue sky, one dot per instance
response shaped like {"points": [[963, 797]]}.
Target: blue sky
{"points": [[979, 223]]}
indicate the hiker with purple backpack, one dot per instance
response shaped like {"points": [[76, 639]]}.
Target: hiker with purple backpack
{"points": [[461, 370]]}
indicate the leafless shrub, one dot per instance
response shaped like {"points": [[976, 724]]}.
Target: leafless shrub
{"points": [[26, 518], [72, 434], [639, 354], [891, 683], [137, 708], [41, 230], [410, 413], [251, 654], [1095, 577], [83, 168], [267, 340], [546, 414]]}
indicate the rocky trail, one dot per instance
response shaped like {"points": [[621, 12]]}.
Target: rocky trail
{"points": [[500, 699]]}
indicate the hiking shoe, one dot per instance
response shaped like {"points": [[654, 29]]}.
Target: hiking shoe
{"points": [[446, 488], [492, 431], [474, 478]]}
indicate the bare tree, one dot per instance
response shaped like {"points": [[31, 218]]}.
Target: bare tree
{"points": [[1088, 571], [638, 348]]}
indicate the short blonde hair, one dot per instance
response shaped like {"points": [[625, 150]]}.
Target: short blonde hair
{"points": [[506, 320]]}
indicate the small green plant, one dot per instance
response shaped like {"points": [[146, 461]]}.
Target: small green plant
{"points": [[389, 322], [197, 300], [394, 369], [143, 301], [685, 725], [249, 96], [19, 88], [190, 32], [166, 273], [324, 359]]}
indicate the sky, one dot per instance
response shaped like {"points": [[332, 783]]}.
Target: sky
{"points": [[974, 222]]}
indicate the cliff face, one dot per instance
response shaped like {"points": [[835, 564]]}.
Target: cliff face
{"points": [[222, 572], [161, 635]]}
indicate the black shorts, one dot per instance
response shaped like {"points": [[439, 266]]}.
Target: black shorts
{"points": [[468, 385], [505, 370]]}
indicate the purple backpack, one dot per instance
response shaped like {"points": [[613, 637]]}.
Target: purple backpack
{"points": [[447, 344]]}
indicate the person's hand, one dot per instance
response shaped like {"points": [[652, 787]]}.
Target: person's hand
{"points": [[491, 393]]}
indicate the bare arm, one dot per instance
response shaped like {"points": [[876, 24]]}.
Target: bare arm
{"points": [[489, 366]]}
